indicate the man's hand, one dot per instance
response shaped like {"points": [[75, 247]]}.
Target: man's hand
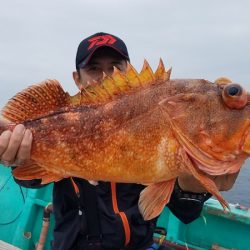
{"points": [[223, 182], [15, 146]]}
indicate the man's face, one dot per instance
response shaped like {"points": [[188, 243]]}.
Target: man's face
{"points": [[103, 60]]}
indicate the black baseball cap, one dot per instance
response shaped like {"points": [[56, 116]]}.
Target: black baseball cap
{"points": [[89, 45]]}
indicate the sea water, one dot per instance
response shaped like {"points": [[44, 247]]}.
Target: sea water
{"points": [[240, 193]]}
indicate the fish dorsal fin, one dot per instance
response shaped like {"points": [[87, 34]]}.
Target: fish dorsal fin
{"points": [[119, 83], [161, 73], [36, 101], [48, 96], [146, 75]]}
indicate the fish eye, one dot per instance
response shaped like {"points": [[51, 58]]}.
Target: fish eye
{"points": [[234, 90], [234, 96]]}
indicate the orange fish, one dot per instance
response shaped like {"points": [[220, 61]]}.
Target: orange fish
{"points": [[135, 128]]}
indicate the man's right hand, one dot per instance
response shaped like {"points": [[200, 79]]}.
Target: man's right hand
{"points": [[15, 146]]}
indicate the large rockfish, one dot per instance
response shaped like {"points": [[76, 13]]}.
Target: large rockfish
{"points": [[135, 128]]}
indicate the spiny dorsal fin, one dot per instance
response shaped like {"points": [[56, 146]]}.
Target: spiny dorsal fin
{"points": [[36, 101], [146, 75], [161, 73], [133, 76], [118, 83], [42, 99]]}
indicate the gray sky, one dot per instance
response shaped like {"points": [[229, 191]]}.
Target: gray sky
{"points": [[199, 39]]}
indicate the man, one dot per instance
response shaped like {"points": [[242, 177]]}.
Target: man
{"points": [[104, 216]]}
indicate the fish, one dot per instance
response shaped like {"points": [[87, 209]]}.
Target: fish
{"points": [[134, 127]]}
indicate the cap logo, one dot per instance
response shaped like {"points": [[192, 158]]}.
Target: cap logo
{"points": [[101, 40]]}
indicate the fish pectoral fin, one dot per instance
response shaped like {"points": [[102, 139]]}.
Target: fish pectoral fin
{"points": [[207, 183], [34, 171], [154, 197]]}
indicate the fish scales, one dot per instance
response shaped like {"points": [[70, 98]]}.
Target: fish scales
{"points": [[125, 133]]}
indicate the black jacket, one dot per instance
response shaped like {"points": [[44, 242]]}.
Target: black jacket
{"points": [[117, 227]]}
